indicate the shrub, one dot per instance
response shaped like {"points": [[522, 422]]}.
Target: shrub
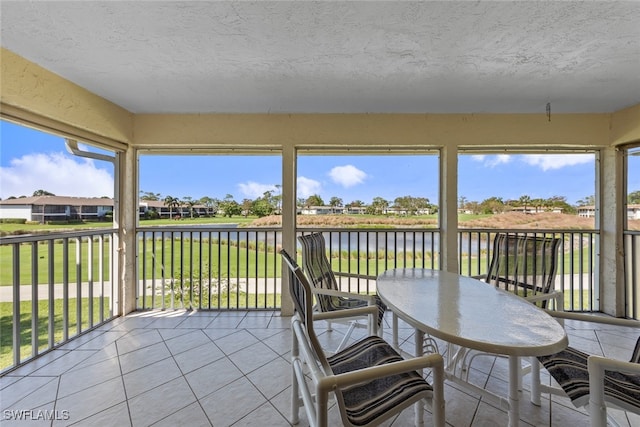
{"points": [[13, 220]]}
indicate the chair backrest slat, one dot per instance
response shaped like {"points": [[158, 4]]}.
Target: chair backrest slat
{"points": [[303, 301], [524, 264], [635, 356], [317, 267]]}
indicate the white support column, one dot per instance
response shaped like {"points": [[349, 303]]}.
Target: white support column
{"points": [[125, 220], [289, 163], [448, 209], [611, 217]]}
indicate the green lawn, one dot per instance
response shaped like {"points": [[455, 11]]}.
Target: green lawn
{"points": [[39, 228], [6, 325]]}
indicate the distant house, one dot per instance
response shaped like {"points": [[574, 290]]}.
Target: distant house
{"points": [[61, 208], [633, 211], [56, 208], [321, 210], [536, 209], [146, 206]]}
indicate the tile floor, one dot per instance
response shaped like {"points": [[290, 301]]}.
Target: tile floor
{"points": [[165, 368]]}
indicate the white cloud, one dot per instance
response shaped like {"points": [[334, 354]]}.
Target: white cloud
{"points": [[347, 176], [557, 161], [56, 173], [253, 190], [493, 160], [307, 187]]}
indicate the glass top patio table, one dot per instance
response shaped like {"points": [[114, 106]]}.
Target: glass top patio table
{"points": [[472, 314]]}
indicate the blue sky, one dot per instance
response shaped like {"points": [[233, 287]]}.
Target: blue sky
{"points": [[31, 160]]}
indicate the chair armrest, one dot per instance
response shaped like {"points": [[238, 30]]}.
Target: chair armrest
{"points": [[434, 361], [556, 296], [596, 365], [368, 298], [601, 364], [354, 275], [347, 312], [593, 318]]}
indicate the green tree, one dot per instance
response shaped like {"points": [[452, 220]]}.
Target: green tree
{"points": [[189, 203], [314, 200], [633, 197], [524, 202], [262, 207], [42, 193], [492, 205], [334, 203], [247, 206], [147, 195], [171, 202], [462, 202], [230, 207], [411, 204], [210, 204], [378, 206], [278, 199], [587, 201]]}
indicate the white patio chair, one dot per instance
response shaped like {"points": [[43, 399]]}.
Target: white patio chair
{"points": [[596, 382], [370, 380], [526, 266], [328, 295]]}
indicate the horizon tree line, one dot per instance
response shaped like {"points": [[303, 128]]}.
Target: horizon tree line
{"points": [[270, 203]]}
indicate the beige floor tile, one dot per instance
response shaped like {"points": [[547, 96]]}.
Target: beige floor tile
{"points": [[150, 376], [273, 378], [212, 377], [233, 368], [116, 416], [265, 415], [236, 341], [234, 402], [198, 357], [247, 361], [192, 415], [76, 380], [138, 339], [160, 402], [144, 356], [19, 390], [91, 401]]}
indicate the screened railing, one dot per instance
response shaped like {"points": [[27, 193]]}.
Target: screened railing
{"points": [[57, 286], [632, 273], [53, 287], [238, 268], [575, 275]]}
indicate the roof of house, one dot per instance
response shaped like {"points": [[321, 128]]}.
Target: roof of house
{"points": [[59, 200]]}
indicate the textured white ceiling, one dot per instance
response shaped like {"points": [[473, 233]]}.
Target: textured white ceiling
{"points": [[320, 57]]}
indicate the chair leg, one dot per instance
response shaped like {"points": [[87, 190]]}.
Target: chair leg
{"points": [[347, 335], [535, 381], [394, 330], [295, 392]]}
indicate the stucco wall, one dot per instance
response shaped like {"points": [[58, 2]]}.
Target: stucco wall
{"points": [[22, 211], [370, 130]]}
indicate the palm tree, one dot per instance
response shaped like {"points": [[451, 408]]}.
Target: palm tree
{"points": [[171, 202], [524, 201], [335, 202], [148, 195], [190, 203]]}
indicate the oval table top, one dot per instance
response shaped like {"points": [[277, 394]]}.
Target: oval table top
{"points": [[471, 313]]}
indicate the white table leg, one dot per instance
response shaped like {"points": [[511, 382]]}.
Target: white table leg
{"points": [[419, 351], [535, 381], [514, 403], [394, 330]]}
